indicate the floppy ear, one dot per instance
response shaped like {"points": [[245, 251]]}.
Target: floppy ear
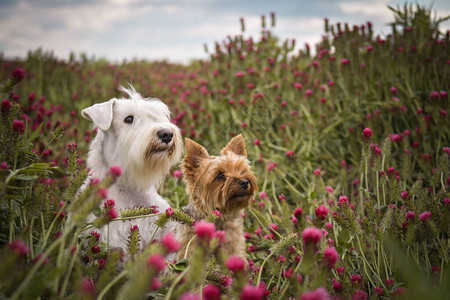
{"points": [[194, 154], [236, 145], [101, 114]]}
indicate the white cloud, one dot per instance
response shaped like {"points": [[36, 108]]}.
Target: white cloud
{"points": [[369, 9], [173, 29]]}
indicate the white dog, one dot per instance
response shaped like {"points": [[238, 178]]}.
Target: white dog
{"points": [[137, 135]]}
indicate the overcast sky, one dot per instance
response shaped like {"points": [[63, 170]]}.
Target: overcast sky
{"points": [[173, 29]]}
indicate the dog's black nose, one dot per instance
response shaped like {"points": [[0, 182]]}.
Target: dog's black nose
{"points": [[165, 135], [243, 183]]}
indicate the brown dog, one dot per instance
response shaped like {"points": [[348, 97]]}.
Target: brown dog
{"points": [[224, 183]]}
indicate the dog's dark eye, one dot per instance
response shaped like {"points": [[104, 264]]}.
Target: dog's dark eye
{"points": [[129, 119], [220, 176]]}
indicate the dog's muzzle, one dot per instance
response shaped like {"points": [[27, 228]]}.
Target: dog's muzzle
{"points": [[165, 135]]}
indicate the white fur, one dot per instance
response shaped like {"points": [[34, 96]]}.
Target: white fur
{"points": [[127, 145]]}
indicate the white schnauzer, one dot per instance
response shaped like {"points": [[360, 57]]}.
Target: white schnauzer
{"points": [[137, 135]]}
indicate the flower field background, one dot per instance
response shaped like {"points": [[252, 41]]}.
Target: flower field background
{"points": [[350, 147]]}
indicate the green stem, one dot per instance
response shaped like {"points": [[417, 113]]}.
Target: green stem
{"points": [[442, 182], [188, 245], [275, 198], [377, 191], [49, 231], [261, 269], [262, 225], [154, 233], [69, 271], [113, 282], [174, 284], [365, 262], [135, 217], [36, 266]]}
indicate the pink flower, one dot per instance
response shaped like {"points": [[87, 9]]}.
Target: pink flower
{"points": [[211, 292], [110, 203], [156, 284], [220, 235], [359, 295], [345, 61], [256, 142], [281, 258], [298, 213], [317, 172], [239, 74], [87, 286], [321, 211], [19, 74], [290, 153], [311, 235], [115, 171], [204, 230], [318, 294], [95, 249], [250, 292], [169, 211], [6, 105], [103, 193], [251, 248], [288, 273], [262, 195], [337, 286], [189, 296], [404, 195], [235, 264], [177, 174], [18, 126], [367, 132], [378, 291], [132, 228], [356, 278], [399, 292], [271, 166], [294, 220], [19, 247], [329, 189], [273, 227], [343, 200], [170, 243], [410, 215], [4, 166], [96, 235], [258, 230], [298, 85], [113, 213], [434, 95], [330, 256], [425, 216], [217, 213], [393, 90], [157, 262]]}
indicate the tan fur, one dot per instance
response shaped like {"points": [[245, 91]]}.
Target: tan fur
{"points": [[209, 192]]}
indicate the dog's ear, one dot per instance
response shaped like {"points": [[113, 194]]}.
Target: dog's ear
{"points": [[194, 154], [101, 114], [236, 145]]}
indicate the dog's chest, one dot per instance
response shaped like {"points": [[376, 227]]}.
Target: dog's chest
{"points": [[127, 198]]}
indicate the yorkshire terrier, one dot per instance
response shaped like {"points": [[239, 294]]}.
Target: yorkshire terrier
{"points": [[224, 183]]}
